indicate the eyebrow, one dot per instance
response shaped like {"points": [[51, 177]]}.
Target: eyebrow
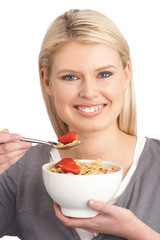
{"points": [[106, 67], [96, 70]]}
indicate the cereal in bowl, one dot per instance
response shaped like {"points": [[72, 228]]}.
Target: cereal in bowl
{"points": [[77, 167]]}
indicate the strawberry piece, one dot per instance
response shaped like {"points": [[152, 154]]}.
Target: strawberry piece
{"points": [[71, 169], [109, 171], [65, 161], [68, 138]]}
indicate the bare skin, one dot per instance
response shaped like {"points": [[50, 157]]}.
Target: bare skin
{"points": [[11, 149]]}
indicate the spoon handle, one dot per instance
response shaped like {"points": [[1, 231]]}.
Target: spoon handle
{"points": [[36, 141]]}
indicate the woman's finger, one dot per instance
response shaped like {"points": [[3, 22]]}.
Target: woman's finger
{"points": [[72, 222], [99, 206], [12, 155], [58, 211], [8, 164], [9, 137], [5, 131], [14, 146], [11, 149]]}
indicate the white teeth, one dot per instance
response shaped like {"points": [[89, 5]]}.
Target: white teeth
{"points": [[90, 109], [87, 110]]}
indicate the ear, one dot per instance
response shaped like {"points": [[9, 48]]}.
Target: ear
{"points": [[127, 75], [46, 82]]}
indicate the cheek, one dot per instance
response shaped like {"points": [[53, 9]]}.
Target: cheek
{"points": [[114, 91], [115, 96], [64, 94], [60, 94], [60, 105], [60, 98], [63, 100]]}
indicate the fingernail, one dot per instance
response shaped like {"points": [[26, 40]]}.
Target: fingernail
{"points": [[92, 203], [17, 136]]}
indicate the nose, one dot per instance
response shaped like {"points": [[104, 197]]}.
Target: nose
{"points": [[89, 89]]}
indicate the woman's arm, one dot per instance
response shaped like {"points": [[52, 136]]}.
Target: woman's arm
{"points": [[11, 149], [112, 220], [8, 189]]}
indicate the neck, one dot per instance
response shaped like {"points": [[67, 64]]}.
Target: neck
{"points": [[107, 145]]}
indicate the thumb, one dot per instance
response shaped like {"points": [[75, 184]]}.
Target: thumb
{"points": [[98, 205]]}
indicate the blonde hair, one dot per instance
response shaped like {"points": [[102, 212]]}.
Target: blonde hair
{"points": [[86, 26]]}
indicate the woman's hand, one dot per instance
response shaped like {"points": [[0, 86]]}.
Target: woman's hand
{"points": [[11, 149], [112, 220]]}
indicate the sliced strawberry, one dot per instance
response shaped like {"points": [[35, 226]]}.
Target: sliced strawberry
{"points": [[71, 169], [65, 161], [68, 138], [109, 171]]}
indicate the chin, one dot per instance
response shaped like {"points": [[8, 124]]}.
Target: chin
{"points": [[89, 125], [90, 128]]}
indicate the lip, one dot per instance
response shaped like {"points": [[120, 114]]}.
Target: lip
{"points": [[90, 110]]}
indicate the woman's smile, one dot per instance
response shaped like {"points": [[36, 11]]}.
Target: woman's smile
{"points": [[90, 110]]}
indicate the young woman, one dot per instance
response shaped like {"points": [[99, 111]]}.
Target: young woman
{"points": [[86, 78]]}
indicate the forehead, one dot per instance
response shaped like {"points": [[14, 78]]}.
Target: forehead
{"points": [[77, 55]]}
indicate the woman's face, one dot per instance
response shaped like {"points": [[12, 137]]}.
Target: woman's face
{"points": [[87, 82]]}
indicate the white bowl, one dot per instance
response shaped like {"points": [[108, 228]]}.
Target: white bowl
{"points": [[72, 192]]}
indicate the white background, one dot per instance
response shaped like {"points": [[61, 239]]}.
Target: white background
{"points": [[22, 27]]}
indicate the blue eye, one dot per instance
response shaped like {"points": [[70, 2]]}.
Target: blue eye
{"points": [[69, 77], [104, 74]]}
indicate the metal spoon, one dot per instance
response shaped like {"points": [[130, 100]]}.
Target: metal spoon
{"points": [[52, 144]]}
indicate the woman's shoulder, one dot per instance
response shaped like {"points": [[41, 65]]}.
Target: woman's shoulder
{"points": [[151, 150], [153, 143]]}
